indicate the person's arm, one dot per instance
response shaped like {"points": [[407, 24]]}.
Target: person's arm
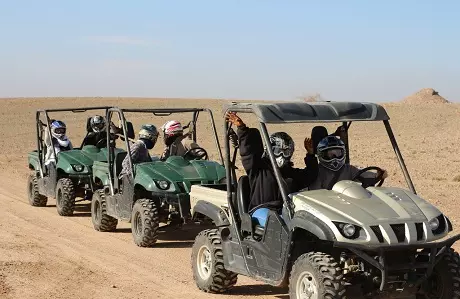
{"points": [[250, 143], [47, 140], [134, 153], [251, 147]]}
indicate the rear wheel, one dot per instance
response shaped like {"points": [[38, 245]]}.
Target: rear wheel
{"points": [[65, 197], [444, 283], [35, 199], [316, 275], [101, 221], [145, 223], [208, 263]]}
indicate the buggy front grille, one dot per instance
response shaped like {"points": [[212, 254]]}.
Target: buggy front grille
{"points": [[400, 231], [377, 232]]}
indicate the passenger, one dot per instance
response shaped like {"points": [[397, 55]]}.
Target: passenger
{"points": [[139, 150], [99, 132], [331, 154], [176, 142], [58, 141], [265, 192]]}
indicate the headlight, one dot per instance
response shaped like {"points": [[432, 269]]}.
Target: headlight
{"points": [[434, 224], [78, 168], [349, 230], [163, 185]]}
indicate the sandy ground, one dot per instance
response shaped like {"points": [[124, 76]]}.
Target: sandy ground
{"points": [[43, 255]]}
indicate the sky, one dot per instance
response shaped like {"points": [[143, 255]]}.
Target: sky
{"points": [[253, 49]]}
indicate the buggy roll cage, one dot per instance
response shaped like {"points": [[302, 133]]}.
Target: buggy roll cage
{"points": [[157, 112], [39, 125], [301, 112]]}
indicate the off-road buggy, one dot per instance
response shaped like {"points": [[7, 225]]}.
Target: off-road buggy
{"points": [[386, 240], [71, 176], [153, 192]]}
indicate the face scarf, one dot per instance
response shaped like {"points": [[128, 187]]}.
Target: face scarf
{"points": [[149, 144]]}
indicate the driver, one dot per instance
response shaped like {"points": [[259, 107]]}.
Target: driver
{"points": [[331, 154], [139, 150], [264, 187], [176, 142], [58, 140], [98, 131]]}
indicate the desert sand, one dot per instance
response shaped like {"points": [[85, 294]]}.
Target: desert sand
{"points": [[43, 255]]}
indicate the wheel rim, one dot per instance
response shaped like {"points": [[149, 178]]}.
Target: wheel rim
{"points": [[137, 224], [97, 211], [204, 262], [307, 288]]}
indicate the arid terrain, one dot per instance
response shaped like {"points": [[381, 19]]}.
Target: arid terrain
{"points": [[43, 255]]}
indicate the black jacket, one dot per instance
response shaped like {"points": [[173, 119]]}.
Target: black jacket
{"points": [[264, 187]]}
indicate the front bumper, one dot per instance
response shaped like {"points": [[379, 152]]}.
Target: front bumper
{"points": [[180, 200], [370, 252]]}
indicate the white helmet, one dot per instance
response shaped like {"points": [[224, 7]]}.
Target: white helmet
{"points": [[58, 130]]}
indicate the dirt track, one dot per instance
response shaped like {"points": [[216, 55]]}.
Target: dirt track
{"points": [[43, 255]]}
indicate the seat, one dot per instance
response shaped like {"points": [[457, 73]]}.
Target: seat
{"points": [[243, 193], [242, 198]]}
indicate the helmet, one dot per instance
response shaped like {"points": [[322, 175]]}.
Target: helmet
{"points": [[282, 147], [172, 128], [148, 132], [58, 129], [97, 123], [331, 153]]}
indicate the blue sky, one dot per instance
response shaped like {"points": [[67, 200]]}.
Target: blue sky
{"points": [[252, 49]]}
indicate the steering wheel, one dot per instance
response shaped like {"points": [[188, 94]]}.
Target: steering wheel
{"points": [[101, 143], [379, 178], [197, 153]]}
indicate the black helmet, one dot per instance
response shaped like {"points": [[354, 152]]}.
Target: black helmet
{"points": [[331, 153], [97, 123], [282, 147]]}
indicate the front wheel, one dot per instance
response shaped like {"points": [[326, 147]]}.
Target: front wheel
{"points": [[65, 197], [316, 275], [444, 283], [208, 263], [145, 223]]}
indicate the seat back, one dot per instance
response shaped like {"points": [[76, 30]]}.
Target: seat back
{"points": [[88, 125], [318, 133], [243, 193], [130, 129]]}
